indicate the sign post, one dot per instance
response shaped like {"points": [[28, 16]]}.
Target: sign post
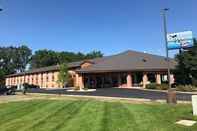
{"points": [[171, 95], [180, 40], [166, 42]]}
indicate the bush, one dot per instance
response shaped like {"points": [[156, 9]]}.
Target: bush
{"points": [[8, 90], [77, 88], [194, 82], [3, 90], [86, 88], [188, 88], [30, 86], [12, 90], [162, 86], [157, 86], [151, 86]]}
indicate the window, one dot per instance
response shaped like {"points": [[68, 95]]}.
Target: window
{"points": [[47, 78], [123, 79], [53, 78], [41, 77], [36, 80]]}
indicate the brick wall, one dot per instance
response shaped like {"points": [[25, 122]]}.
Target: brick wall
{"points": [[42, 79]]}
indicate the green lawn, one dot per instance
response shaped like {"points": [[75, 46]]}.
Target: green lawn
{"points": [[92, 115]]}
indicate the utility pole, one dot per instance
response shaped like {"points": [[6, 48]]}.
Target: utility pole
{"points": [[171, 96]]}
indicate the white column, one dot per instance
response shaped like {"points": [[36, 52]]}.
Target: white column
{"points": [[158, 79], [129, 80], [171, 78], [145, 79]]}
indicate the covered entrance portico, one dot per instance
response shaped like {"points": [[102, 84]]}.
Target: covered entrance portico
{"points": [[127, 79]]}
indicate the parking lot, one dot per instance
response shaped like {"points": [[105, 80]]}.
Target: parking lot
{"points": [[118, 92]]}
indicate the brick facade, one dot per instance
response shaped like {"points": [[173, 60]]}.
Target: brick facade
{"points": [[42, 79]]}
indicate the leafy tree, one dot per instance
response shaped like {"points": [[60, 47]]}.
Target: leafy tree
{"points": [[2, 74], [13, 59], [63, 75], [43, 58], [23, 55], [94, 54], [66, 57], [186, 70]]}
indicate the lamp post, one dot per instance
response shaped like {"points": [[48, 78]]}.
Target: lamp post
{"points": [[171, 96]]}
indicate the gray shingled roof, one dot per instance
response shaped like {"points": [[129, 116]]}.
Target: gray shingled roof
{"points": [[126, 61], [55, 67], [43, 69], [130, 61]]}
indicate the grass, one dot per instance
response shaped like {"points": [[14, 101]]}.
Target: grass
{"points": [[92, 115]]}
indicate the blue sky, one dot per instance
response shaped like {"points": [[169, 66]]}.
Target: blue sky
{"points": [[110, 26]]}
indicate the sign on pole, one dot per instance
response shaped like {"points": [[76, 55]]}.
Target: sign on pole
{"points": [[180, 40]]}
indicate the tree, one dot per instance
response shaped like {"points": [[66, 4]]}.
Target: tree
{"points": [[2, 74], [186, 70], [13, 59], [43, 58], [23, 55], [66, 57], [63, 75], [94, 54]]}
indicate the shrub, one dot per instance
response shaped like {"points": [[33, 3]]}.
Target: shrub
{"points": [[194, 82], [8, 90], [157, 86], [30, 86], [185, 88], [86, 88], [165, 86], [3, 90], [151, 86], [77, 88], [12, 90], [162, 86]]}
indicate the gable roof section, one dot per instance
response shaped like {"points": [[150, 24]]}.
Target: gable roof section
{"points": [[94, 61], [130, 61]]}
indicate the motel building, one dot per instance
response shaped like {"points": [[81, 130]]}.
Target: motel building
{"points": [[125, 70]]}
